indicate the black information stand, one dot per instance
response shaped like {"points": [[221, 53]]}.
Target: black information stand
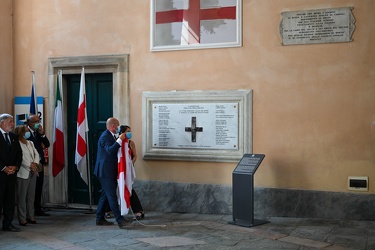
{"points": [[243, 191]]}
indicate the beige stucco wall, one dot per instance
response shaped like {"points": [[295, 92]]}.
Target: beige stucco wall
{"points": [[313, 105], [6, 80]]}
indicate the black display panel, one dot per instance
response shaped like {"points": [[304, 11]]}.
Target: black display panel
{"points": [[249, 163]]}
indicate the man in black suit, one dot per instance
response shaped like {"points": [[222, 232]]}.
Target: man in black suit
{"points": [[10, 161], [41, 142]]}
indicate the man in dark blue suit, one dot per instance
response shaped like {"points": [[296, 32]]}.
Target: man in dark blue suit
{"points": [[106, 170], [10, 162]]}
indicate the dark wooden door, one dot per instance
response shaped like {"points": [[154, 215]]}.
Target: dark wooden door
{"points": [[99, 105]]}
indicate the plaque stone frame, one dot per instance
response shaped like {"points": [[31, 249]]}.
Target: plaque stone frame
{"points": [[241, 98]]}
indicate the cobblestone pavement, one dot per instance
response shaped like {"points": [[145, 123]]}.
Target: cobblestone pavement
{"points": [[76, 229]]}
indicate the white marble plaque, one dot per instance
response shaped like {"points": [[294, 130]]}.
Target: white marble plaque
{"points": [[195, 125], [317, 26], [210, 125]]}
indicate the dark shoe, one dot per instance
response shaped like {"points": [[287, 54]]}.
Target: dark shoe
{"points": [[11, 228], [103, 222], [124, 224], [139, 215], [41, 213], [23, 223], [31, 221]]}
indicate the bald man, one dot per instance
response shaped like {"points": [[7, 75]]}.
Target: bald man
{"points": [[106, 171]]}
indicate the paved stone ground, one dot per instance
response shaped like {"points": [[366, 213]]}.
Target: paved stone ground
{"points": [[75, 229]]}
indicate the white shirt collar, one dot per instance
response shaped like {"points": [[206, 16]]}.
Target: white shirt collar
{"points": [[31, 130]]}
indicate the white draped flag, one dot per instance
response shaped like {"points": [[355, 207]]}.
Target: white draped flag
{"points": [[126, 176], [82, 128]]}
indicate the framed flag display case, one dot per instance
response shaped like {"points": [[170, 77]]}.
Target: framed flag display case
{"points": [[195, 24]]}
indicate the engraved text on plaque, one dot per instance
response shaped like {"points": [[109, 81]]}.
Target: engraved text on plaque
{"points": [[195, 125], [317, 26]]}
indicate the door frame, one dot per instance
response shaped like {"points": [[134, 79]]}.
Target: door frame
{"points": [[118, 65]]}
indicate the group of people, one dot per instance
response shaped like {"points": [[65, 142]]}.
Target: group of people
{"points": [[106, 170], [22, 164]]}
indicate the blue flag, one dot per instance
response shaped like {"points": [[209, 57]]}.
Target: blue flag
{"points": [[33, 103]]}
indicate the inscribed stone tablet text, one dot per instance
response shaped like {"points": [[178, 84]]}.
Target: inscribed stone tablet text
{"points": [[195, 125], [317, 26]]}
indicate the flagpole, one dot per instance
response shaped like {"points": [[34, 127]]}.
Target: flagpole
{"points": [[65, 180], [88, 170], [83, 126]]}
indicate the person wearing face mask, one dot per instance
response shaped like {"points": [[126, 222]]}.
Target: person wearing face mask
{"points": [[106, 171], [41, 142], [135, 203], [26, 177], [10, 162]]}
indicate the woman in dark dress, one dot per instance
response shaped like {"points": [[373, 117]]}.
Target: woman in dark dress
{"points": [[135, 203]]}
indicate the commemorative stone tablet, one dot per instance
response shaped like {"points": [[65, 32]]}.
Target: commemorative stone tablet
{"points": [[317, 26], [195, 125], [210, 125]]}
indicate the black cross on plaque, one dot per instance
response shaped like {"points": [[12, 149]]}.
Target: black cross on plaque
{"points": [[194, 129]]}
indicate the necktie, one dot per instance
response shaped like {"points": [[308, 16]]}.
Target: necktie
{"points": [[114, 137], [7, 138]]}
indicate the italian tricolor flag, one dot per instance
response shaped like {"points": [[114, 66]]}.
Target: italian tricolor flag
{"points": [[58, 161]]}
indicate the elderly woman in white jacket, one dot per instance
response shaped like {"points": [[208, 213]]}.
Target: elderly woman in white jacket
{"points": [[26, 177]]}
